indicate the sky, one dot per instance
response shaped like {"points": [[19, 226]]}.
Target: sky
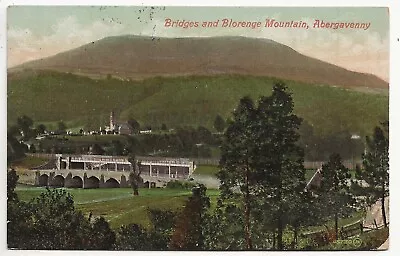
{"points": [[35, 32]]}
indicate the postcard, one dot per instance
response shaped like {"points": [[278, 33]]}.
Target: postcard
{"points": [[197, 128]]}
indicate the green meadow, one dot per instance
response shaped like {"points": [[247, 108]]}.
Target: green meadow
{"points": [[118, 205]]}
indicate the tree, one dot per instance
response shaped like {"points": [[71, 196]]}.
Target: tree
{"points": [[12, 179], [223, 228], [235, 158], [50, 222], [277, 158], [162, 227], [136, 237], [334, 192], [132, 237], [260, 158], [134, 125], [376, 169], [41, 128], [15, 149], [61, 126], [304, 211], [96, 149], [24, 123], [164, 127], [134, 176], [188, 234], [131, 146], [47, 222], [162, 220], [102, 237], [219, 123], [204, 135], [117, 148]]}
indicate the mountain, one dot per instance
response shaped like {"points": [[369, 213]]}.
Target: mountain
{"points": [[136, 58]]}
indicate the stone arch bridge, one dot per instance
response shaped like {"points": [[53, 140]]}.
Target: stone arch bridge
{"points": [[92, 179], [98, 171]]}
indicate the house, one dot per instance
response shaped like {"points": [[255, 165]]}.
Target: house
{"points": [[124, 129], [315, 181]]}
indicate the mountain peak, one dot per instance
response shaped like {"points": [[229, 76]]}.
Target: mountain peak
{"points": [[139, 57]]}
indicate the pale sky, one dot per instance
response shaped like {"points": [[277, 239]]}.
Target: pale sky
{"points": [[38, 31]]}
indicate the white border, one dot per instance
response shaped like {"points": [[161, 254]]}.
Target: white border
{"points": [[394, 6]]}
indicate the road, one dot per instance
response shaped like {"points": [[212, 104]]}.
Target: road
{"points": [[375, 213], [207, 180]]}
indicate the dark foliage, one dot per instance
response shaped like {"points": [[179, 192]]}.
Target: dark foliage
{"points": [[262, 165], [334, 193], [50, 222], [135, 126], [219, 124], [188, 234]]}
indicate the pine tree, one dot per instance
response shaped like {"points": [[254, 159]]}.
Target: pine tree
{"points": [[375, 172], [335, 190], [261, 163], [278, 160], [235, 161]]}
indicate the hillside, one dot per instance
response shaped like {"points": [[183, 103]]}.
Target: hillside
{"points": [[137, 57], [49, 96]]}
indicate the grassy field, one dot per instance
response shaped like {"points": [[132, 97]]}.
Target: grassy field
{"points": [[210, 170], [192, 100], [118, 205]]}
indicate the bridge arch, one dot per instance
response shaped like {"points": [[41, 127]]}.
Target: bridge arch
{"points": [[92, 182], [75, 182], [58, 181], [111, 183], [43, 180]]}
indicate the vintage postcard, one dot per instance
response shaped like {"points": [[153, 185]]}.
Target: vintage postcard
{"points": [[197, 128]]}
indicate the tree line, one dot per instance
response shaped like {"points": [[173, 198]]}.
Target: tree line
{"points": [[183, 142]]}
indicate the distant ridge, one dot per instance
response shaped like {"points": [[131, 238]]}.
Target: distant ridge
{"points": [[138, 57]]}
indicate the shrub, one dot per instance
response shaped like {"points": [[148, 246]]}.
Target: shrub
{"points": [[374, 239], [177, 184], [366, 241]]}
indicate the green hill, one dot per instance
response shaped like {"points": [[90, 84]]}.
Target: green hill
{"points": [[48, 96]]}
